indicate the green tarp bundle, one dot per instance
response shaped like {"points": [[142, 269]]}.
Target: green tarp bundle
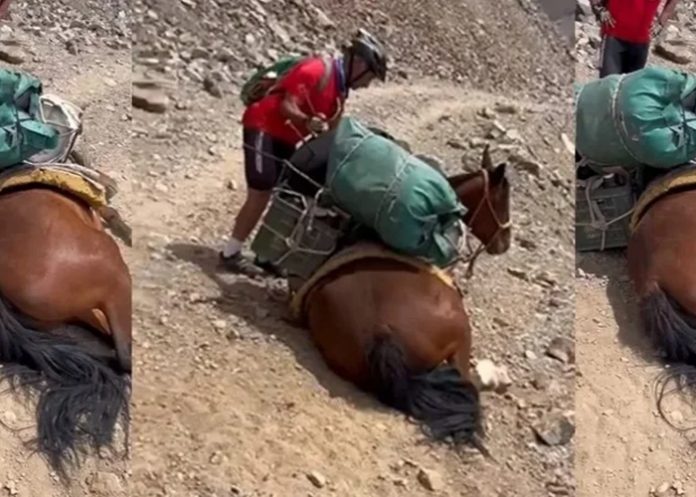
{"points": [[410, 205], [22, 134], [642, 118]]}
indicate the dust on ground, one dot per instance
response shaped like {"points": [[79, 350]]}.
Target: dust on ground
{"points": [[81, 51], [232, 401], [624, 447]]}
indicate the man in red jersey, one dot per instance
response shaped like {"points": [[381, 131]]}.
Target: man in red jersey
{"points": [[307, 100], [627, 29]]}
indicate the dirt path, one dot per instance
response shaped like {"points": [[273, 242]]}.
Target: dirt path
{"points": [[256, 409], [98, 78]]}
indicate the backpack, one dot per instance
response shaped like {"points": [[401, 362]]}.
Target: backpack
{"points": [[264, 80]]}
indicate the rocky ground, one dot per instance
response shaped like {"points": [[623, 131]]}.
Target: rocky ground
{"points": [[230, 400], [81, 50], [623, 446]]}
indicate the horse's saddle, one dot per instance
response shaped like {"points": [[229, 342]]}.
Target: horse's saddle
{"points": [[356, 252], [90, 186], [679, 179]]}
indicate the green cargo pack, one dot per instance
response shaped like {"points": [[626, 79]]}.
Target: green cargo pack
{"points": [[643, 118], [409, 204], [22, 134]]}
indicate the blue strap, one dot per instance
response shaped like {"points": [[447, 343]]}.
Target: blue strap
{"points": [[341, 77]]}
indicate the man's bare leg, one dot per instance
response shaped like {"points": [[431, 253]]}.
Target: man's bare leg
{"points": [[247, 219]]}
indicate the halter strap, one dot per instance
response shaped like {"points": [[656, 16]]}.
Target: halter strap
{"points": [[485, 200]]}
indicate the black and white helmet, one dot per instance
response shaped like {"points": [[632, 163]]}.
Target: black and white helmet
{"points": [[368, 48]]}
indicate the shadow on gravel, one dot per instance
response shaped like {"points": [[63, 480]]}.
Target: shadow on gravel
{"points": [[610, 267], [252, 300]]}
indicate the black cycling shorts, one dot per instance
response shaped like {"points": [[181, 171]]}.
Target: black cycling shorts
{"points": [[621, 57], [263, 159]]}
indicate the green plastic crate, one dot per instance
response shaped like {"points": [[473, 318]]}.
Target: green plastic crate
{"points": [[294, 240], [614, 198]]}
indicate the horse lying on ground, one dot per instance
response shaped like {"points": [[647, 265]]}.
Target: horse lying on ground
{"points": [[388, 325], [65, 318]]}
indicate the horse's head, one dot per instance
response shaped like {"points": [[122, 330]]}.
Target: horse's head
{"points": [[486, 195]]}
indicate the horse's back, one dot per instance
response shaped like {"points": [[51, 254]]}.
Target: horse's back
{"points": [[662, 247], [40, 205]]}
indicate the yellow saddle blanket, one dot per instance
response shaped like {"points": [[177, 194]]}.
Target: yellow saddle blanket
{"points": [[92, 187], [89, 191], [681, 178], [360, 251]]}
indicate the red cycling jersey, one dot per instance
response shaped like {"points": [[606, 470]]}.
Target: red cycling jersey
{"points": [[303, 82], [633, 19]]}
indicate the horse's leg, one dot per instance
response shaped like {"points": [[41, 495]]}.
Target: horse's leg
{"points": [[118, 309], [114, 319], [96, 319], [461, 359], [112, 312]]}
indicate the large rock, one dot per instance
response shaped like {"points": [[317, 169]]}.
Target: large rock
{"points": [[12, 54], [150, 100], [679, 54]]}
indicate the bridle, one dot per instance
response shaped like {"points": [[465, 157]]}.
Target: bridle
{"points": [[500, 226]]}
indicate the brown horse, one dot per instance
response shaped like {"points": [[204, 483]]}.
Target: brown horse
{"points": [[662, 266], [65, 319], [389, 327]]}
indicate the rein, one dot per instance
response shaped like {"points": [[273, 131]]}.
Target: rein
{"points": [[485, 200]]}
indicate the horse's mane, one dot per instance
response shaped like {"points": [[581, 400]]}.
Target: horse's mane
{"points": [[458, 179]]}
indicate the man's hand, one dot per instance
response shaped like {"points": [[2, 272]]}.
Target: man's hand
{"points": [[317, 125], [663, 18], [603, 15], [656, 28]]}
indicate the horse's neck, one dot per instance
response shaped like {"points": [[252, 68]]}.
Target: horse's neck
{"points": [[470, 193]]}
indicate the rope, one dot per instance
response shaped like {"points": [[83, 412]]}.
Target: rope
{"points": [[597, 218]]}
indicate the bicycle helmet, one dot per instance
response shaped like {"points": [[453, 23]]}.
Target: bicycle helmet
{"points": [[366, 46]]}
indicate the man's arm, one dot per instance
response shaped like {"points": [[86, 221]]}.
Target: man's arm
{"points": [[601, 12], [291, 110], [296, 86], [667, 11]]}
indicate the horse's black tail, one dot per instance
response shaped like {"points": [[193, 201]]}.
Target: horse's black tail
{"points": [[81, 397], [445, 405], [673, 330]]}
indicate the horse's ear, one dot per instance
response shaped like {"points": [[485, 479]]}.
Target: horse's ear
{"points": [[487, 162], [498, 174]]}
